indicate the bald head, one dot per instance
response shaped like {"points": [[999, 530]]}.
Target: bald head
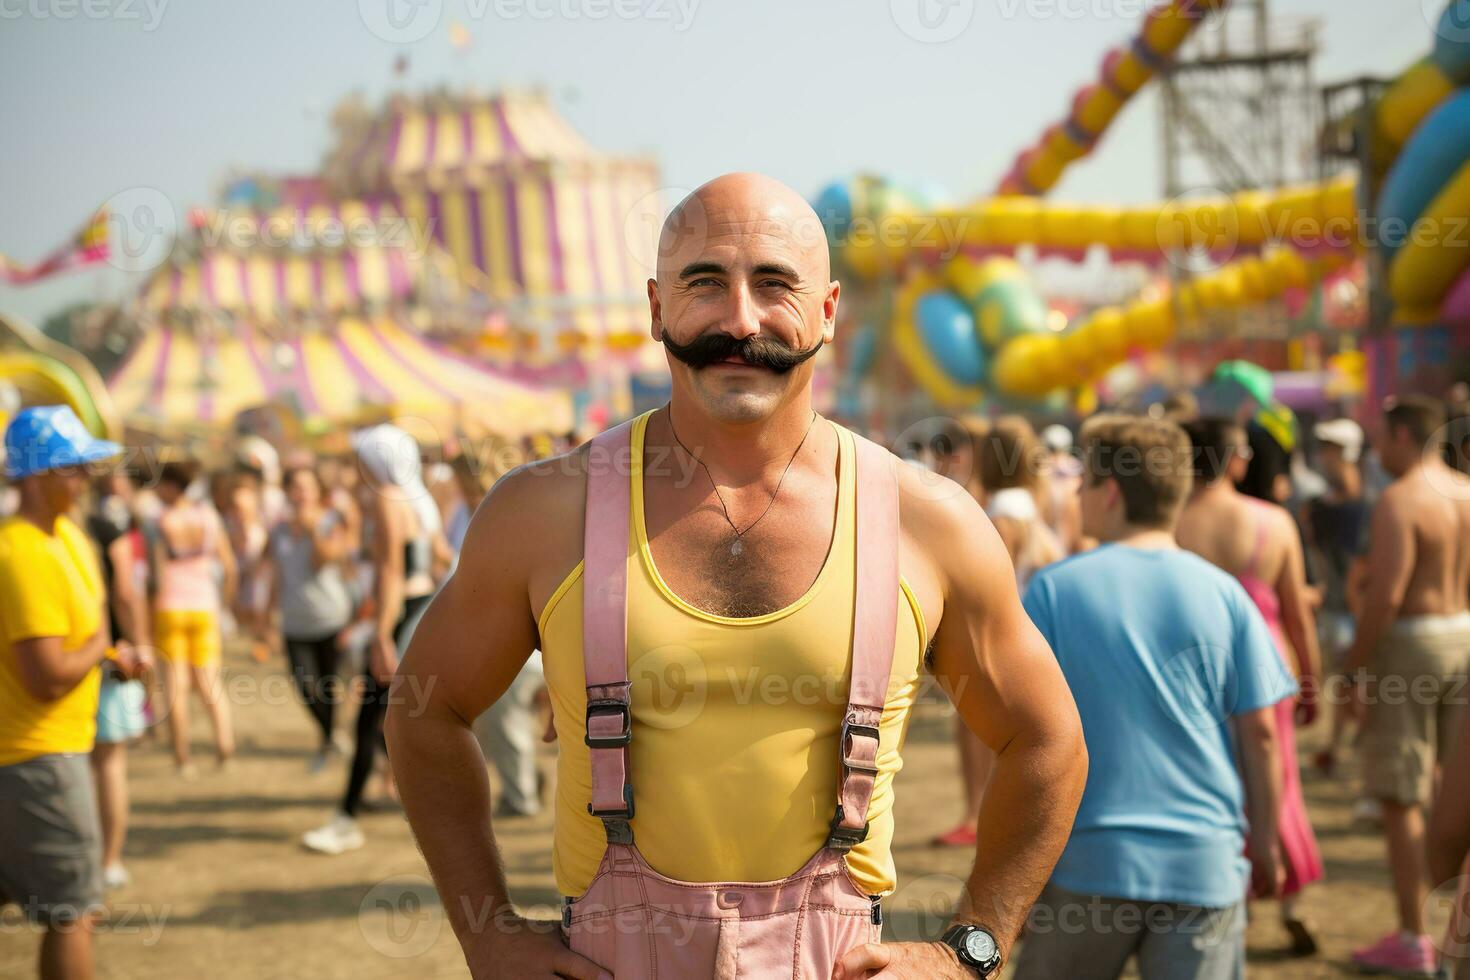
{"points": [[743, 296], [746, 205]]}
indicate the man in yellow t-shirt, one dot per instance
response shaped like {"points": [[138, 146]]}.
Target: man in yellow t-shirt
{"points": [[51, 643]]}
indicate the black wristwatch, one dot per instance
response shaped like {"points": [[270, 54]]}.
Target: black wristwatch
{"points": [[976, 948]]}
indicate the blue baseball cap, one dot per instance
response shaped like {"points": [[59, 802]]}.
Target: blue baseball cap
{"points": [[48, 437]]}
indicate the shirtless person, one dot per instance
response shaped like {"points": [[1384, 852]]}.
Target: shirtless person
{"points": [[726, 542], [1411, 655]]}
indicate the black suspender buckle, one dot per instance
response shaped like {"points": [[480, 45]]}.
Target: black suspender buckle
{"points": [[870, 731], [618, 741], [845, 838]]}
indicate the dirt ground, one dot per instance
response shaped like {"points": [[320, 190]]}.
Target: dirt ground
{"points": [[222, 888]]}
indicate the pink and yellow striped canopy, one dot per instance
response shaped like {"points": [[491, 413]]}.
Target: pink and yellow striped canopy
{"points": [[556, 234], [440, 136], [329, 258], [364, 369], [552, 248]]}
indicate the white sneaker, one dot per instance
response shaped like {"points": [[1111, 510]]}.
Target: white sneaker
{"points": [[336, 837], [115, 876], [317, 763]]}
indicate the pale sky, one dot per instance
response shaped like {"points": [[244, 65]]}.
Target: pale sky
{"points": [[104, 96]]}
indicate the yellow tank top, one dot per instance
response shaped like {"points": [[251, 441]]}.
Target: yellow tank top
{"points": [[734, 759]]}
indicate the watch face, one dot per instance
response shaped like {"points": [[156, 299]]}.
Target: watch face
{"points": [[979, 947]]}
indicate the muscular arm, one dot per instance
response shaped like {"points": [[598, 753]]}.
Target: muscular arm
{"points": [[1390, 567], [471, 642], [1009, 690]]}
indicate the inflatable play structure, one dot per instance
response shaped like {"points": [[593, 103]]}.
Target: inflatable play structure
{"points": [[967, 322], [35, 370], [1422, 135], [1124, 71]]}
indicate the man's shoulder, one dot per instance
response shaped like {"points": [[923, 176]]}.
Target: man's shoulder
{"points": [[539, 489], [18, 536], [24, 549], [535, 506], [1106, 564], [1403, 496]]}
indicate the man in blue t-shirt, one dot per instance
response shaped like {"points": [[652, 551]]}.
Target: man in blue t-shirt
{"points": [[1175, 676]]}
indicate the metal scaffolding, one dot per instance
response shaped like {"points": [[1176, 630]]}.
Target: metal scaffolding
{"points": [[1240, 110]]}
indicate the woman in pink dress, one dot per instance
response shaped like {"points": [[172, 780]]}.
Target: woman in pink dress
{"points": [[1258, 543]]}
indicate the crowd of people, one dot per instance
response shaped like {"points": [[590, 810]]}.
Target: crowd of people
{"points": [[1359, 579], [328, 564], [1134, 621], [119, 587]]}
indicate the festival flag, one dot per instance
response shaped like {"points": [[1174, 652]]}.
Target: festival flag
{"points": [[88, 247]]}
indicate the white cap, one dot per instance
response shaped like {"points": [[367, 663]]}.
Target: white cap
{"points": [[1057, 438], [1341, 432]]}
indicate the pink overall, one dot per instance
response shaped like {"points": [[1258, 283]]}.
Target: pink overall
{"points": [[638, 923]]}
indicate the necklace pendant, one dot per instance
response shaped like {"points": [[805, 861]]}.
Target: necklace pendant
{"points": [[737, 546]]}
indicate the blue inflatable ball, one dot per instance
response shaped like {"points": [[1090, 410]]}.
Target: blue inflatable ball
{"points": [[1452, 42], [948, 330], [834, 206], [1436, 152]]}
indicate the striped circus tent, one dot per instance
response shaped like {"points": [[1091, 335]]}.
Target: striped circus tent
{"points": [[183, 379], [327, 258], [558, 236]]}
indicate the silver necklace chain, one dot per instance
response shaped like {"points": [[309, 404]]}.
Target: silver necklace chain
{"points": [[737, 546]]}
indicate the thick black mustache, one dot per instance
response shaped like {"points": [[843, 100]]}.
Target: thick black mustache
{"points": [[758, 351]]}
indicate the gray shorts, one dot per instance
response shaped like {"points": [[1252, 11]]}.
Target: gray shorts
{"points": [[50, 839], [1086, 937]]}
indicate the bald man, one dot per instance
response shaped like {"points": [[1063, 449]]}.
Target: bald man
{"points": [[734, 599]]}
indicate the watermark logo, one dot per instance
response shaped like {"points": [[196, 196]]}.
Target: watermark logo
{"points": [[142, 225], [938, 452], [670, 681], [922, 908], [1449, 22], [400, 21], [1200, 688], [1450, 482], [932, 21], [400, 917], [244, 230], [1092, 11], [132, 919], [148, 12], [1450, 903], [643, 226], [679, 13], [1198, 230]]}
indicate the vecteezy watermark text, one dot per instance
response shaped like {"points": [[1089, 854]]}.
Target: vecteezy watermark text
{"points": [[150, 12]]}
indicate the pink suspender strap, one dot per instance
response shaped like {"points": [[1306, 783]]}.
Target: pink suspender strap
{"points": [[875, 619], [605, 629]]}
